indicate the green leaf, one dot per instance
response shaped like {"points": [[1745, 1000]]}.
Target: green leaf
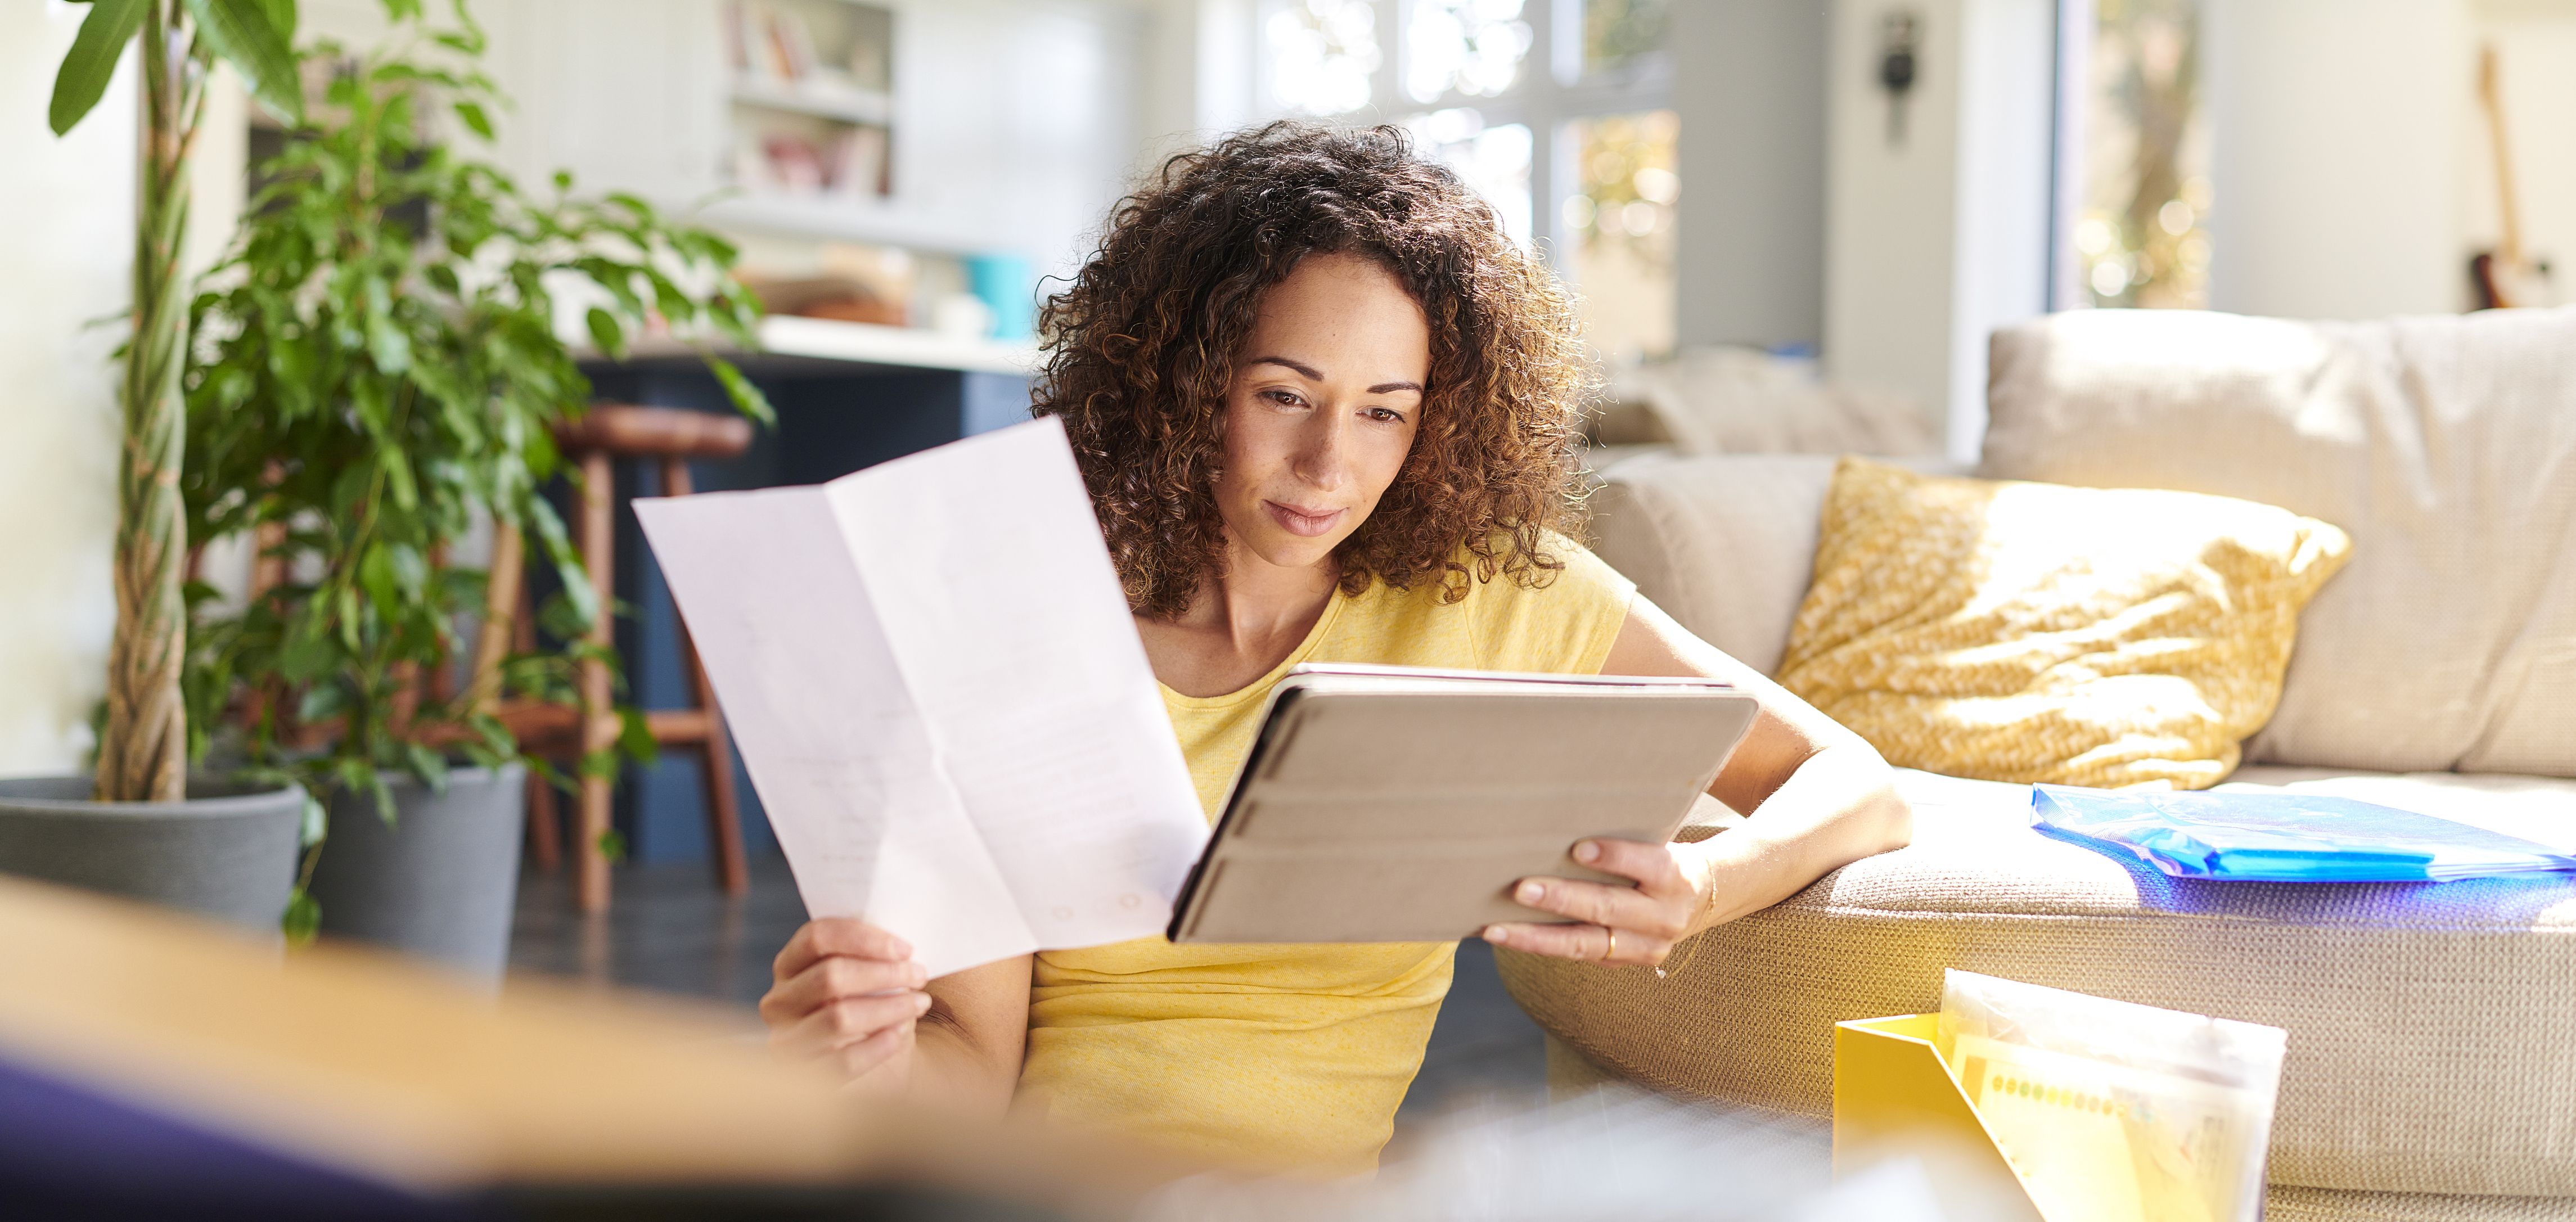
{"points": [[320, 701], [576, 579], [244, 33], [87, 67], [387, 343], [612, 844], [398, 480], [474, 118], [316, 824], [605, 332], [600, 765], [428, 765], [303, 661], [634, 737], [349, 618], [746, 397], [376, 572], [303, 918], [386, 808], [410, 569], [281, 18]]}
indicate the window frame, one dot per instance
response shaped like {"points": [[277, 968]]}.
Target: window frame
{"points": [[1550, 97]]}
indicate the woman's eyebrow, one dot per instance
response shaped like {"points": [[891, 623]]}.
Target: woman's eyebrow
{"points": [[1312, 374], [1308, 371]]}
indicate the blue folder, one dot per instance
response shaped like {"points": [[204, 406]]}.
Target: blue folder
{"points": [[2284, 837]]}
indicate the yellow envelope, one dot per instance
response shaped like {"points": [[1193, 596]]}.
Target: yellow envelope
{"points": [[2015, 1132], [1894, 1097]]}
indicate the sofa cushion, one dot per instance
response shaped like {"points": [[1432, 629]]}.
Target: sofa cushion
{"points": [[2432, 1026], [2034, 632], [2445, 446]]}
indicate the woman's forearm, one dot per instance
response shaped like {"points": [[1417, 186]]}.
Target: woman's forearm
{"points": [[1839, 806]]}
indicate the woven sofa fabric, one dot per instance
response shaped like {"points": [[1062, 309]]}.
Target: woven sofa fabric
{"points": [[2446, 447], [2432, 1026], [2286, 1204]]}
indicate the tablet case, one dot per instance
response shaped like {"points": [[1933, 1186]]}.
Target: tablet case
{"points": [[1381, 804]]}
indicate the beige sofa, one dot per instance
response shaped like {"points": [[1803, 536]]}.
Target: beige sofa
{"points": [[2432, 1067]]}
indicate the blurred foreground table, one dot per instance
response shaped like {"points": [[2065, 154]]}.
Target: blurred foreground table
{"points": [[155, 1066]]}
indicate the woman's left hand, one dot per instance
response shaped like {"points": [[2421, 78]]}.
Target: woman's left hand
{"points": [[1615, 925]]}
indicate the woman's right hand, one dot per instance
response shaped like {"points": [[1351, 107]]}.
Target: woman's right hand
{"points": [[847, 992]]}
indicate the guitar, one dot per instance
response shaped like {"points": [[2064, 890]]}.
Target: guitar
{"points": [[2506, 276]]}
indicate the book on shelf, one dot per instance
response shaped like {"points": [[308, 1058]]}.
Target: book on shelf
{"points": [[849, 165]]}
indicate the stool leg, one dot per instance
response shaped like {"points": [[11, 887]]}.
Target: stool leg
{"points": [[598, 721], [545, 825], [724, 816], [545, 828]]}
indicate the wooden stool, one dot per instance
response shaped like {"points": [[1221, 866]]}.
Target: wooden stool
{"points": [[607, 433]]}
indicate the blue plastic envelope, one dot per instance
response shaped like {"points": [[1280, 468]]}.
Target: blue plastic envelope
{"points": [[2285, 837]]}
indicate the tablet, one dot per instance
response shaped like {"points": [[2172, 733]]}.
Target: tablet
{"points": [[1390, 804]]}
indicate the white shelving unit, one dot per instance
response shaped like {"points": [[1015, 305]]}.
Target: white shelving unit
{"points": [[872, 107], [824, 339], [875, 222], [858, 343], [810, 98]]}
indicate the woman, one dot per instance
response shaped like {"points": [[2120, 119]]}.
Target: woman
{"points": [[1327, 412]]}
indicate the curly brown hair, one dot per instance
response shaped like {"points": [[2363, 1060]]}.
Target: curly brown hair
{"points": [[1143, 345]]}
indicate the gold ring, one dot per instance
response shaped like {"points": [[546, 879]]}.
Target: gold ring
{"points": [[1614, 943]]}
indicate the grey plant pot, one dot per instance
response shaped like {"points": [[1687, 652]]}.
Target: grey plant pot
{"points": [[441, 881], [226, 852]]}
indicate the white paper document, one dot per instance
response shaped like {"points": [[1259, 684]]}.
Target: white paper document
{"points": [[931, 673]]}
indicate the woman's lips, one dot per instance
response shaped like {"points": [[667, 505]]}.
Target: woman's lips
{"points": [[1307, 522]]}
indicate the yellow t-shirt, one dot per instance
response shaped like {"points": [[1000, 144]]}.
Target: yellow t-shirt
{"points": [[1276, 1055]]}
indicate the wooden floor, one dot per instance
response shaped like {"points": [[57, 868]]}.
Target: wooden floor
{"points": [[671, 931]]}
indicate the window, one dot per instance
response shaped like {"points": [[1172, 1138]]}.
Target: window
{"points": [[1469, 47], [1619, 231], [1621, 35], [1556, 111], [1493, 160], [1322, 55], [2143, 193]]}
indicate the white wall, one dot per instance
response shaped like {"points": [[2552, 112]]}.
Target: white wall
{"points": [[1750, 256], [2007, 85], [1195, 74], [1933, 242], [1016, 123], [2339, 171], [66, 235], [1017, 119]]}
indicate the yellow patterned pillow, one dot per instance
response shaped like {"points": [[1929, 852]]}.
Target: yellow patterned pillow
{"points": [[2032, 632]]}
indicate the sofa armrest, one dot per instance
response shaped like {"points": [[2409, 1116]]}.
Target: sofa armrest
{"points": [[1725, 543]]}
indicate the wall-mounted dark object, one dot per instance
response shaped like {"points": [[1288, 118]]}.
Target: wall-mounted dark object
{"points": [[1899, 34]]}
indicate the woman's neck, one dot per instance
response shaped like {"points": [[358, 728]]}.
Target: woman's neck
{"points": [[1240, 625]]}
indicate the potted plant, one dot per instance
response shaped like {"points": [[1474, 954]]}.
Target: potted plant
{"points": [[378, 370], [141, 825]]}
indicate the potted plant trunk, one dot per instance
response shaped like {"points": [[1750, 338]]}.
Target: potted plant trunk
{"points": [[377, 380], [143, 825]]}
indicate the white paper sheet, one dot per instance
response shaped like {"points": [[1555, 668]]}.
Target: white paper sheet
{"points": [[930, 671]]}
